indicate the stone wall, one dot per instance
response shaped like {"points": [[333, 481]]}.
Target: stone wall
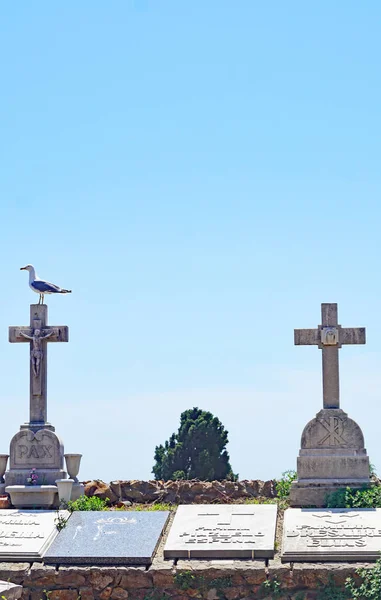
{"points": [[179, 579], [180, 492], [209, 580]]}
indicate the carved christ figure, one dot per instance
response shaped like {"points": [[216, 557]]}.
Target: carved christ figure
{"points": [[329, 336], [36, 352]]}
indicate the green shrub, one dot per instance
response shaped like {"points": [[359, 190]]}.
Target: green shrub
{"points": [[350, 498], [283, 485], [88, 503]]}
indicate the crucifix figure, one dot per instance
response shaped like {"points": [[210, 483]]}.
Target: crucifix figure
{"points": [[38, 334], [36, 353], [329, 337]]}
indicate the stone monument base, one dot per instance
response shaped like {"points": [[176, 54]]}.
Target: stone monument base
{"points": [[314, 494], [332, 457]]}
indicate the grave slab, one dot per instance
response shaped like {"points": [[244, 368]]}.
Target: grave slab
{"points": [[25, 535], [222, 531], [335, 534], [103, 537]]}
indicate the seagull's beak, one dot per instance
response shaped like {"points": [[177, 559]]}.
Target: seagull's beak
{"points": [[22, 268]]}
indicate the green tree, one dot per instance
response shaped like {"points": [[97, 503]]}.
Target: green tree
{"points": [[196, 451]]}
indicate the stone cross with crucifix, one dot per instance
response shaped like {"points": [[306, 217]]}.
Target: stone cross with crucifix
{"points": [[38, 334], [329, 337]]}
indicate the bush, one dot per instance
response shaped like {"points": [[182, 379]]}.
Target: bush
{"points": [[350, 498], [369, 587], [88, 503], [283, 485]]}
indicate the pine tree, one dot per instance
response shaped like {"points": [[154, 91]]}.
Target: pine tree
{"points": [[197, 450]]}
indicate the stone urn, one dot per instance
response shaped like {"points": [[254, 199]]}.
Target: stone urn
{"points": [[73, 462], [65, 487], [3, 466]]}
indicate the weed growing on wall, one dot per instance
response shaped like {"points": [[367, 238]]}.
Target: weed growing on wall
{"points": [[272, 587], [155, 595], [60, 521], [186, 580], [331, 591], [369, 587]]}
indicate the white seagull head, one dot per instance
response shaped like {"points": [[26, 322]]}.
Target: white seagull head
{"points": [[27, 268]]}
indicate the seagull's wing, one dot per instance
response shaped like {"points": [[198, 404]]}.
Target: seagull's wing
{"points": [[45, 287]]}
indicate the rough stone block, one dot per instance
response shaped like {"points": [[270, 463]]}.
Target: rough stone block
{"points": [[119, 593], [100, 580], [137, 578], [10, 591], [106, 593], [42, 576], [86, 593], [15, 572], [63, 595], [71, 576]]}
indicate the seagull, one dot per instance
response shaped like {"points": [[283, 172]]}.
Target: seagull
{"points": [[40, 286]]}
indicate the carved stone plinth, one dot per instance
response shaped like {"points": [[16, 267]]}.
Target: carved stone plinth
{"points": [[41, 450], [332, 456]]}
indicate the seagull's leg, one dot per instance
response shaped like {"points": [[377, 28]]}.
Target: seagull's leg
{"points": [[42, 299], [39, 299]]}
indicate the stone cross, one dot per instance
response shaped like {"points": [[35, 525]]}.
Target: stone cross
{"points": [[329, 337], [38, 334]]}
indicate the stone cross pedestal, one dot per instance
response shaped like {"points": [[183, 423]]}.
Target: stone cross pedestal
{"points": [[36, 445], [332, 453]]}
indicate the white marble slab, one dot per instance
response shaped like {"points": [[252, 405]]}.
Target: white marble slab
{"points": [[25, 535], [222, 531], [335, 534]]}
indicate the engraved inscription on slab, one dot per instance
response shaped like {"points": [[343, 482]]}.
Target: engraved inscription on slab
{"points": [[219, 531], [97, 537], [331, 534], [26, 535]]}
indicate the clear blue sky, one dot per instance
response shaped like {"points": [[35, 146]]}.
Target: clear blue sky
{"points": [[202, 175]]}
